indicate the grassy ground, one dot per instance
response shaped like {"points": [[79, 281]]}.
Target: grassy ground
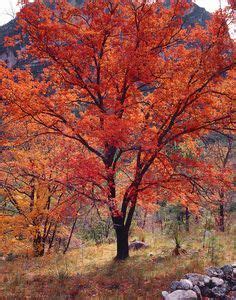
{"points": [[90, 272]]}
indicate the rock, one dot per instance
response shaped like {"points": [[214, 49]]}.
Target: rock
{"points": [[183, 284], [207, 280], [206, 292], [182, 295], [187, 283], [227, 287], [137, 245], [219, 291], [164, 294], [217, 281], [197, 279], [174, 285], [197, 290], [214, 272], [227, 270]]}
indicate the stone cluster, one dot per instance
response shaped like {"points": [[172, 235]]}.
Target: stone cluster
{"points": [[217, 283]]}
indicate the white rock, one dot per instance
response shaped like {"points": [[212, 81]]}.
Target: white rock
{"points": [[182, 295], [165, 294], [187, 283], [206, 279], [217, 281]]}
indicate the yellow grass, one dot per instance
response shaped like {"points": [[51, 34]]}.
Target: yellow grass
{"points": [[90, 272]]}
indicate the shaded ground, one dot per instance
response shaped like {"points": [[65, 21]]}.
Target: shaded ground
{"points": [[90, 272]]}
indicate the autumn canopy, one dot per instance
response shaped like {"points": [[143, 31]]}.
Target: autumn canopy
{"points": [[128, 89]]}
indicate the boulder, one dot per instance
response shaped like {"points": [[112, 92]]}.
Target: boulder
{"points": [[181, 295], [197, 290], [227, 270], [183, 284], [207, 280], [174, 285], [219, 291], [206, 292], [164, 294], [187, 283], [217, 281], [137, 245], [214, 272], [197, 279]]}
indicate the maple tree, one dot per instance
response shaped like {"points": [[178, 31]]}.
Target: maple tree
{"points": [[220, 151], [130, 84], [31, 198], [34, 186]]}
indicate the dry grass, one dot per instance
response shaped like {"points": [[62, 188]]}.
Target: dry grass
{"points": [[90, 272]]}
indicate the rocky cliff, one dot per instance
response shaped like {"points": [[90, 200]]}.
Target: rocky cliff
{"points": [[10, 56]]}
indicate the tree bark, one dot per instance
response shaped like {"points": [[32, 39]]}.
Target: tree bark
{"points": [[38, 245], [187, 216], [70, 236], [222, 217], [122, 243]]}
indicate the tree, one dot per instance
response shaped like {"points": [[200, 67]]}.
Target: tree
{"points": [[37, 200], [219, 150], [129, 83]]}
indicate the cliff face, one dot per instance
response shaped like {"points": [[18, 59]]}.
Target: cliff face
{"points": [[9, 54]]}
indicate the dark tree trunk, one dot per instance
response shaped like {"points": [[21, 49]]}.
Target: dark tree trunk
{"points": [[187, 216], [144, 220], [222, 217], [122, 243], [70, 236], [52, 238], [38, 245]]}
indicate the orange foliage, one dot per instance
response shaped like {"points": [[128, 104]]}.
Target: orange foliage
{"points": [[129, 84]]}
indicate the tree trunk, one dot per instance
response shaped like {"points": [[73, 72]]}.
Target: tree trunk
{"points": [[187, 216], [122, 243], [52, 238], [144, 219], [38, 245], [222, 217], [70, 236]]}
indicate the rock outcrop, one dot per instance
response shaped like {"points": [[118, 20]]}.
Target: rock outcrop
{"points": [[10, 54], [218, 283]]}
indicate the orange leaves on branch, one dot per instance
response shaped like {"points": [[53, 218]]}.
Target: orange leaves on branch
{"points": [[132, 89]]}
